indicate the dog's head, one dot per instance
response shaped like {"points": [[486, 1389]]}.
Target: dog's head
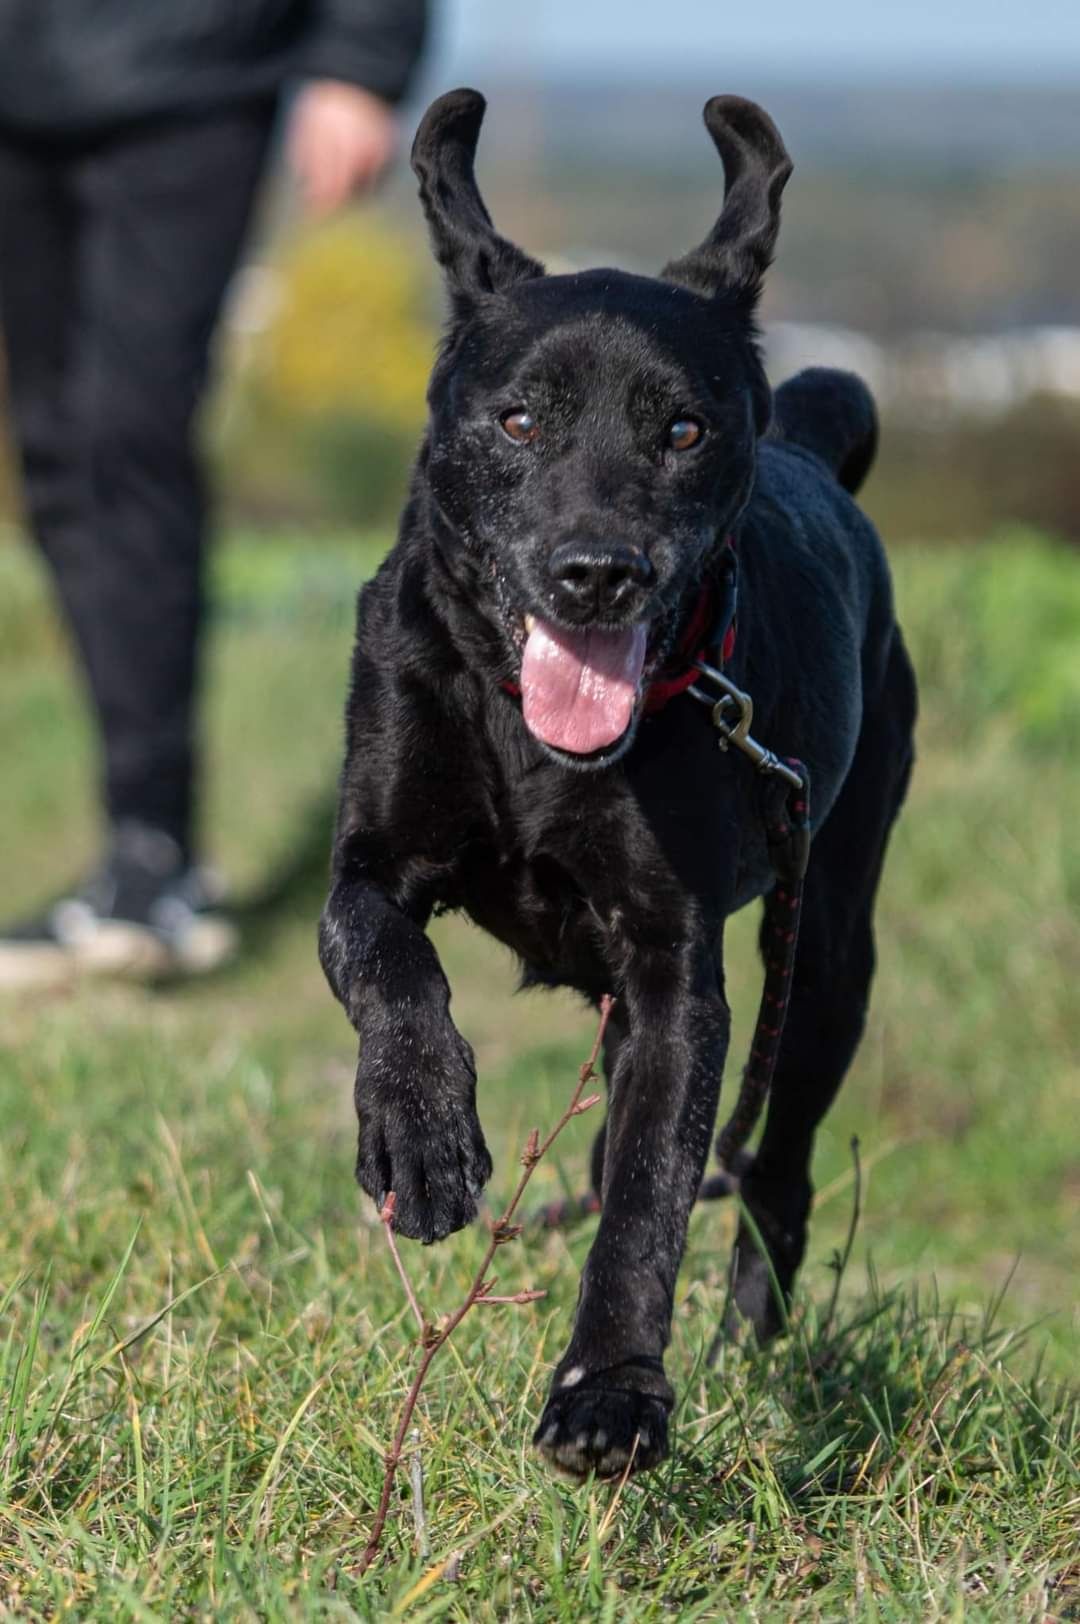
{"points": [[592, 436]]}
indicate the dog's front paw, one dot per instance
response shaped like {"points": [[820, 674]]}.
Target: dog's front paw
{"points": [[427, 1147], [592, 1427], [437, 1173]]}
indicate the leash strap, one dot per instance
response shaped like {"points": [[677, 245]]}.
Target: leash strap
{"points": [[786, 818], [785, 815]]}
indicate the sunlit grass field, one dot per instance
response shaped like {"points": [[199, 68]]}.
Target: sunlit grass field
{"points": [[202, 1339]]}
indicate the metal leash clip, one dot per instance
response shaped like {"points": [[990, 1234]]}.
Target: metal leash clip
{"points": [[737, 732]]}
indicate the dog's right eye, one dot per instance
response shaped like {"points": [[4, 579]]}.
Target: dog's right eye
{"points": [[521, 427]]}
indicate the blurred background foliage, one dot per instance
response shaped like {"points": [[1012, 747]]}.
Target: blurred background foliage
{"points": [[965, 476], [942, 270], [326, 359], [326, 362], [350, 329]]}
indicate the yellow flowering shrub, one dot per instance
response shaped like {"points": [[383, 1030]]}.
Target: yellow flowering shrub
{"points": [[325, 376], [350, 335]]}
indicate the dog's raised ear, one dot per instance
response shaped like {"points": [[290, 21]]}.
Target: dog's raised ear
{"points": [[737, 252], [475, 259]]}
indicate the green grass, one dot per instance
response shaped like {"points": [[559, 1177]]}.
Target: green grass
{"points": [[203, 1340]]}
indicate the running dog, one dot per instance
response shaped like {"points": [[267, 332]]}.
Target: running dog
{"points": [[521, 744]]}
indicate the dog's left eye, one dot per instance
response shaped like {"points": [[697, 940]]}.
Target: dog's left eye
{"points": [[522, 427], [684, 433]]}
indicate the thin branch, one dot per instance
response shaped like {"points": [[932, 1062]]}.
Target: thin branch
{"points": [[433, 1338], [386, 1213], [841, 1260], [518, 1297]]}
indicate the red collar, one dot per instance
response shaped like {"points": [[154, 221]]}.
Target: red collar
{"points": [[693, 646]]}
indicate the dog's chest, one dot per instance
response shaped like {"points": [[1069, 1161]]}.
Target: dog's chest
{"points": [[572, 872], [538, 912], [539, 889]]}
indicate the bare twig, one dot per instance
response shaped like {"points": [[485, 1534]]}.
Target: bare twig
{"points": [[386, 1213], [434, 1337], [518, 1297], [840, 1260]]}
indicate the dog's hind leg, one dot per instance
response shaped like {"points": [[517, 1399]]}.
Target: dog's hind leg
{"points": [[830, 990]]}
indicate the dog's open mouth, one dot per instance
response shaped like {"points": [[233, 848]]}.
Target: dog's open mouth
{"points": [[579, 686]]}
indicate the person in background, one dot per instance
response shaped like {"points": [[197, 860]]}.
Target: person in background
{"points": [[133, 136]]}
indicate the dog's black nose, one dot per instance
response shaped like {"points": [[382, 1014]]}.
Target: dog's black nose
{"points": [[598, 578]]}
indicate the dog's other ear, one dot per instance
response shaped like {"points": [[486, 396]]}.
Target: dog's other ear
{"points": [[474, 258], [737, 252]]}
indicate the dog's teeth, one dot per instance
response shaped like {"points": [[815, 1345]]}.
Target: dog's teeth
{"points": [[530, 622]]}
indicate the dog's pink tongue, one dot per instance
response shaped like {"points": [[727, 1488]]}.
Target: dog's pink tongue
{"points": [[578, 687]]}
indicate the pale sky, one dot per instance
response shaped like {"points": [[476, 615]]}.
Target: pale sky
{"points": [[969, 39]]}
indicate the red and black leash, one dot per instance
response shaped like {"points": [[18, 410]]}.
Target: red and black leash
{"points": [[787, 832]]}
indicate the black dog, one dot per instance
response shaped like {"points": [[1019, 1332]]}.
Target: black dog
{"points": [[595, 441]]}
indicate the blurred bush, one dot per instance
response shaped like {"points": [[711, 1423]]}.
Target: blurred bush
{"points": [[998, 629], [967, 476], [1027, 617], [324, 395]]}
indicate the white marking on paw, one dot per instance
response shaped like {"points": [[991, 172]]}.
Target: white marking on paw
{"points": [[582, 1441], [599, 1439], [573, 1376], [550, 1434]]}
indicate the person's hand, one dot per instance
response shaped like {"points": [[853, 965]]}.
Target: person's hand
{"points": [[341, 138]]}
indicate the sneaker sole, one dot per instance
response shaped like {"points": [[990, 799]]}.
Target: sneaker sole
{"points": [[121, 951]]}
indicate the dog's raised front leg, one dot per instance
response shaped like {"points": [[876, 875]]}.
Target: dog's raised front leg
{"points": [[415, 1081], [609, 1388]]}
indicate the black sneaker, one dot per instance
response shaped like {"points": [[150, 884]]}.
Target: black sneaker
{"points": [[144, 914]]}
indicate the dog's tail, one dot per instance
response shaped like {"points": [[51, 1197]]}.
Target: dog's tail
{"points": [[832, 414]]}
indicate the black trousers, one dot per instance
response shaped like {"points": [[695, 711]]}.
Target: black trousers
{"points": [[114, 257]]}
